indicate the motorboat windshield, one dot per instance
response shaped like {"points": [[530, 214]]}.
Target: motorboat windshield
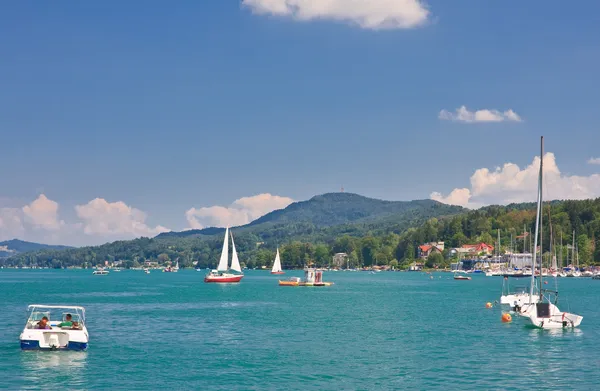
{"points": [[56, 316]]}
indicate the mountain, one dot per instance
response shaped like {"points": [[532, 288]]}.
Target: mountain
{"points": [[12, 247], [320, 220], [336, 209]]}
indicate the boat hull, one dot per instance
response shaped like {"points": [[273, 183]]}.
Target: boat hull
{"points": [[55, 339], [553, 319], [277, 272], [288, 283], [295, 283], [223, 279], [35, 345], [462, 278], [517, 299]]}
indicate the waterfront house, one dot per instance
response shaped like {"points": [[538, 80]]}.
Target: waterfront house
{"points": [[426, 249], [473, 250], [340, 260]]}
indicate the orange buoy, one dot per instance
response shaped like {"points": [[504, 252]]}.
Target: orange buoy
{"points": [[506, 318], [488, 305]]}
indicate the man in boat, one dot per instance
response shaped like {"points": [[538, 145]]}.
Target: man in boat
{"points": [[43, 324], [67, 323]]}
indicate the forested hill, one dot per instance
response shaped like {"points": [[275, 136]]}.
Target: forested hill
{"points": [[319, 220], [332, 209], [11, 247]]}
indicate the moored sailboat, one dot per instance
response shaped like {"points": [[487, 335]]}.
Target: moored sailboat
{"points": [[544, 314], [223, 272], [277, 265]]}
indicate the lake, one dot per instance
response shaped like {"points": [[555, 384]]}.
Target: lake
{"points": [[381, 331]]}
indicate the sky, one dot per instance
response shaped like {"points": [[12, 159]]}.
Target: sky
{"points": [[120, 120]]}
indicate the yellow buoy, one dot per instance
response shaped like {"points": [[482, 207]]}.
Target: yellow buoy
{"points": [[506, 318], [488, 305]]}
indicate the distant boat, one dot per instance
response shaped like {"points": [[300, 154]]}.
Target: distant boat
{"points": [[457, 277], [146, 270], [222, 274], [277, 265], [100, 272], [312, 277]]}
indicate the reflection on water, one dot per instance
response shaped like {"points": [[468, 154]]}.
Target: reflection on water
{"points": [[42, 368]]}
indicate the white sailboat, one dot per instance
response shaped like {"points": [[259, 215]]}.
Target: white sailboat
{"points": [[223, 272], [277, 265], [544, 314]]}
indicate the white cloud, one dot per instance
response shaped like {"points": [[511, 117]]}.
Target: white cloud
{"points": [[368, 14], [43, 213], [104, 218], [510, 184], [594, 160], [241, 211], [11, 223], [463, 114]]}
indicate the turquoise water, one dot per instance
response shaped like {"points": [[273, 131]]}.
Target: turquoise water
{"points": [[367, 332]]}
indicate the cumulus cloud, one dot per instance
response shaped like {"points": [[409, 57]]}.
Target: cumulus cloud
{"points": [[104, 218], [368, 14], [11, 223], [509, 183], [240, 212], [594, 160], [462, 114], [43, 213]]}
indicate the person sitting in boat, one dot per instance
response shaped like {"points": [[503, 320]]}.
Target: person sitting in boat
{"points": [[43, 324], [68, 322]]}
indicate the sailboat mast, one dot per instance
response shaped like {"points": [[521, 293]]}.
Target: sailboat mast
{"points": [[498, 251], [573, 251], [561, 249], [541, 212], [537, 230]]}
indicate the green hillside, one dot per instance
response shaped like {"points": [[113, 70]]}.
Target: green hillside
{"points": [[319, 220]]}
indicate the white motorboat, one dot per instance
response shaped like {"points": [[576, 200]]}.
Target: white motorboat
{"points": [[541, 313], [517, 298], [51, 327], [100, 272]]}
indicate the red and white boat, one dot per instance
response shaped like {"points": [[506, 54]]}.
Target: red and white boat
{"points": [[277, 265], [223, 273]]}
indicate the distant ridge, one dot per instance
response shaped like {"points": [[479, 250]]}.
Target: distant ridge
{"points": [[332, 209], [12, 247]]}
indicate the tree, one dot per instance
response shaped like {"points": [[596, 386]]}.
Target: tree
{"points": [[434, 259], [163, 258], [585, 249], [322, 257]]}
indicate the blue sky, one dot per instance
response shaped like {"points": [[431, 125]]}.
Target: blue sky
{"points": [[167, 108]]}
